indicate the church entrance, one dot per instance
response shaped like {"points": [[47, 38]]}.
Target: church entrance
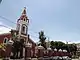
{"points": [[17, 49]]}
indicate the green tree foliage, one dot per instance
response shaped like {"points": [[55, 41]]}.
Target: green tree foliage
{"points": [[72, 48], [42, 39], [52, 43], [61, 45], [57, 44]]}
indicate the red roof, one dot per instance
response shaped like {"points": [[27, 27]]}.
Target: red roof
{"points": [[2, 36], [22, 17], [24, 11], [8, 35]]}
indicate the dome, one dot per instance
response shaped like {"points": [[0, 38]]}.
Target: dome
{"points": [[64, 50], [29, 44], [55, 49], [60, 50], [49, 49], [40, 47]]}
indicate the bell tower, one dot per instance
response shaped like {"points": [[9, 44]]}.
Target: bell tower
{"points": [[22, 23]]}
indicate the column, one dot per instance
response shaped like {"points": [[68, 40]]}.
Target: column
{"points": [[28, 52]]}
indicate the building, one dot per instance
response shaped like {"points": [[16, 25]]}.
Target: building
{"points": [[21, 29]]}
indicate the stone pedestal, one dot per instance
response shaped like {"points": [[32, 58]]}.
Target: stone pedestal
{"points": [[40, 52], [49, 52], [28, 52]]}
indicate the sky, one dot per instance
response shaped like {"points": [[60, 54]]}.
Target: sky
{"points": [[59, 19]]}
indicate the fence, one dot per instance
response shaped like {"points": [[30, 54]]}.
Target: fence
{"points": [[29, 53]]}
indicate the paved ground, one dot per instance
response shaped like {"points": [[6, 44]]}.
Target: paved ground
{"points": [[34, 59], [23, 59], [75, 59]]}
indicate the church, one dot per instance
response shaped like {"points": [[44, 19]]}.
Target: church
{"points": [[21, 31]]}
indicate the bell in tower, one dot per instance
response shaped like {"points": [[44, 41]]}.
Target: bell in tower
{"points": [[22, 23]]}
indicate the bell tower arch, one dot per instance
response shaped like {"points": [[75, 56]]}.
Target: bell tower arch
{"points": [[22, 29], [22, 23]]}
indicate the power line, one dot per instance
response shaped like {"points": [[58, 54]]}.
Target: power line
{"points": [[34, 36], [10, 21], [5, 26], [7, 19], [10, 28], [13, 23]]}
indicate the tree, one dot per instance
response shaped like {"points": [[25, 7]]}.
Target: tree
{"points": [[73, 48], [57, 44], [42, 39], [52, 43]]}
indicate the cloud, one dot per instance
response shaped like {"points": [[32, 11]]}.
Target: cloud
{"points": [[4, 28], [61, 40], [69, 41]]}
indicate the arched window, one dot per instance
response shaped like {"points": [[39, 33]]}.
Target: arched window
{"points": [[5, 40], [24, 29], [24, 19]]}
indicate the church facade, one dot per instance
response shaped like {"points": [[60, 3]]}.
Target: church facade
{"points": [[21, 31]]}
